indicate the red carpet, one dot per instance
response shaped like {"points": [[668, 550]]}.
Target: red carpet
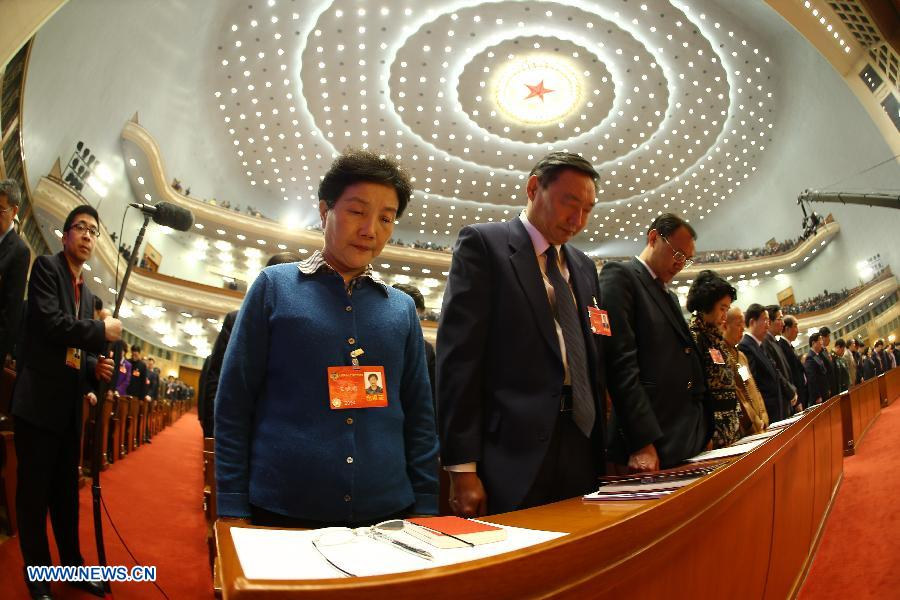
{"points": [[155, 499], [860, 548]]}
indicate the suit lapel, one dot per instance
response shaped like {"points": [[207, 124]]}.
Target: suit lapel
{"points": [[659, 296], [524, 263], [65, 274]]}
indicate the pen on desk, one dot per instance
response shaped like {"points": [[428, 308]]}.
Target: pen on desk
{"points": [[424, 554]]}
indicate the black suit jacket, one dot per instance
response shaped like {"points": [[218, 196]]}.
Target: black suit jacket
{"points": [[831, 373], [499, 367], [14, 257], [816, 377], [210, 384], [49, 394], [766, 376], [656, 380], [868, 367], [797, 370]]}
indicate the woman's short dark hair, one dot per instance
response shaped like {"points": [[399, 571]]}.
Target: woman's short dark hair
{"points": [[667, 223], [356, 166], [707, 289], [549, 167], [84, 209]]}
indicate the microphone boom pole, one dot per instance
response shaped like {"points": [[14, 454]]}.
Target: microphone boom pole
{"points": [[169, 215]]}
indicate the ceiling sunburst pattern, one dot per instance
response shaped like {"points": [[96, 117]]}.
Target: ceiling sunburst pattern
{"points": [[673, 103]]}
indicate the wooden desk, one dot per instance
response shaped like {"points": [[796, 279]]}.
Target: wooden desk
{"points": [[749, 530], [891, 381], [859, 408]]}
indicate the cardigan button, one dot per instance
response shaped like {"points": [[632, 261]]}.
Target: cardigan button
{"points": [[349, 460], [349, 308], [347, 498], [687, 350], [351, 341], [349, 421]]}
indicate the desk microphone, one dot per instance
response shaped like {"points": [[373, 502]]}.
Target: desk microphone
{"points": [[168, 214]]}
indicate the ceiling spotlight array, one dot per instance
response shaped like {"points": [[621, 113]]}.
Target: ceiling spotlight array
{"points": [[673, 102]]}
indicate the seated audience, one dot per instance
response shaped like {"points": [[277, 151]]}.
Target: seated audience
{"points": [[289, 451], [708, 300], [762, 366], [754, 417], [816, 375]]}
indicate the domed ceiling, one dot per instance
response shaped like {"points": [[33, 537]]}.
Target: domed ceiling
{"points": [[672, 101]]}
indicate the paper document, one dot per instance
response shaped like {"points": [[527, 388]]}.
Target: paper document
{"points": [[727, 451], [598, 497], [786, 422], [290, 554], [757, 436]]}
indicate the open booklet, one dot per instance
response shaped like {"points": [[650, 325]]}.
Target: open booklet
{"points": [[340, 552], [649, 486]]}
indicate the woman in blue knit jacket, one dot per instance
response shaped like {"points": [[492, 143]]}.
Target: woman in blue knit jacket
{"points": [[289, 451]]}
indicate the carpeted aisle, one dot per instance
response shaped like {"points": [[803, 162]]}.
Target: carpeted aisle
{"points": [[860, 549], [155, 499]]}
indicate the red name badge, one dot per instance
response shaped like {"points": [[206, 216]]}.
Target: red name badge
{"points": [[716, 356], [356, 387], [599, 321]]}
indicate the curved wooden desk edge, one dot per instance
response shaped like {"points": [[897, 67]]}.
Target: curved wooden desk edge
{"points": [[748, 530]]}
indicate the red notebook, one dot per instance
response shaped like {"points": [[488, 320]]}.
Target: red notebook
{"points": [[453, 532]]}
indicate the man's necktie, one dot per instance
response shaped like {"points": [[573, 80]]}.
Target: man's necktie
{"points": [[583, 410]]}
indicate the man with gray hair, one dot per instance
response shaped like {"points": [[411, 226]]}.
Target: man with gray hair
{"points": [[14, 259]]}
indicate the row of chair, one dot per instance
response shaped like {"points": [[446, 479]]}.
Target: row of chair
{"points": [[126, 423]]}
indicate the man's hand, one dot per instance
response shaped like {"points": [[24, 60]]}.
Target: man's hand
{"points": [[104, 369], [113, 329], [148, 398], [644, 459], [467, 495], [794, 400], [92, 398], [799, 407]]}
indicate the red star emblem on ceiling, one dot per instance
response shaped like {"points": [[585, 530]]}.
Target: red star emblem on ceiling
{"points": [[537, 91]]}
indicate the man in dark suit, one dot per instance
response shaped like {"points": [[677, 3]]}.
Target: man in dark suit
{"points": [[209, 382], [414, 293], [661, 411], [798, 373], [868, 368], [773, 349], [762, 366], [14, 258], [816, 376], [59, 367], [883, 362], [829, 364], [137, 387], [520, 381]]}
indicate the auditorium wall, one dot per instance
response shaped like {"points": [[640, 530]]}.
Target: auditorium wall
{"points": [[94, 64]]}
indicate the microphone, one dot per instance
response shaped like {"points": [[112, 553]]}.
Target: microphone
{"points": [[168, 214]]}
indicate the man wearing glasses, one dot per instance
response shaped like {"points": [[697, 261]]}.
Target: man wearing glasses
{"points": [[656, 380], [14, 258], [59, 368]]}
